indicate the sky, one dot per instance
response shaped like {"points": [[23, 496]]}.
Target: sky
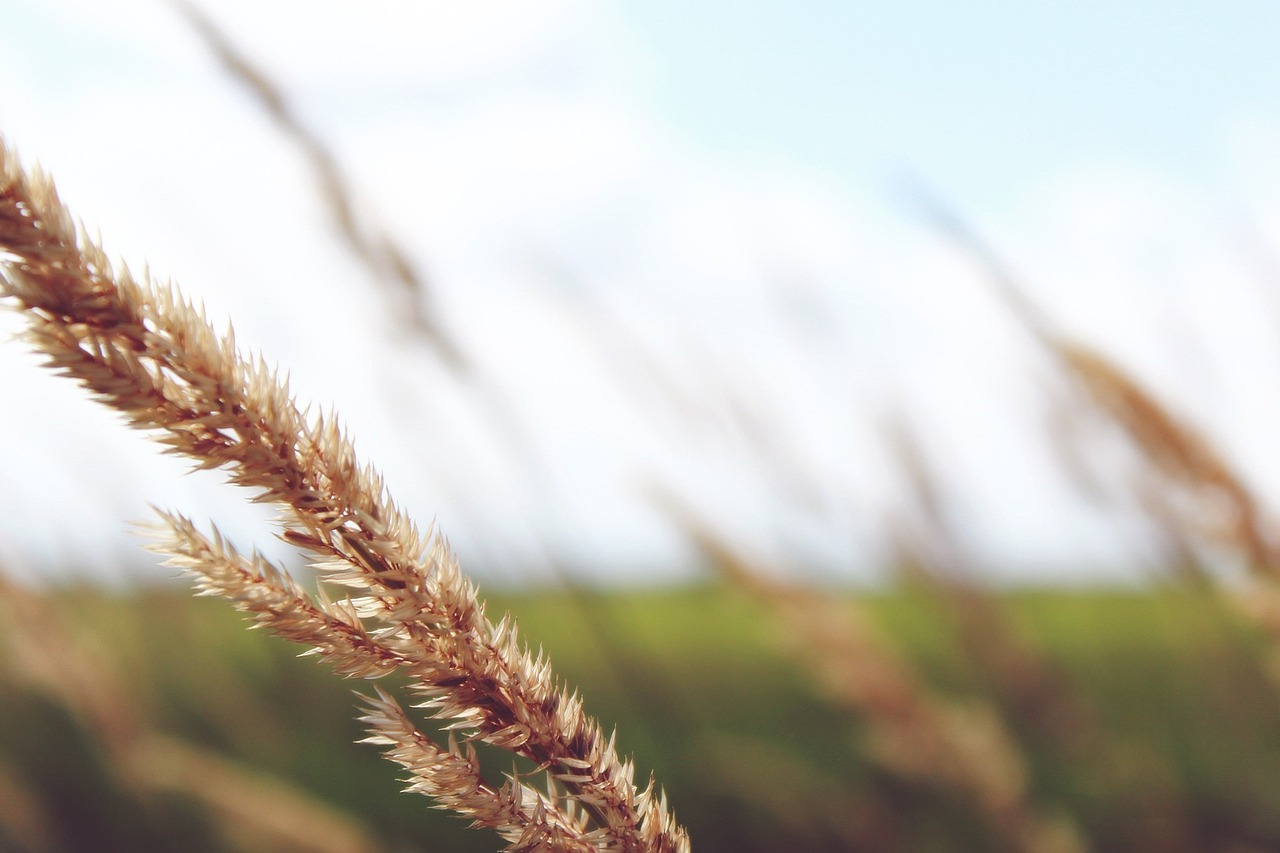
{"points": [[683, 246], [986, 98]]}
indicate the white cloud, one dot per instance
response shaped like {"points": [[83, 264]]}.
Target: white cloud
{"points": [[783, 315]]}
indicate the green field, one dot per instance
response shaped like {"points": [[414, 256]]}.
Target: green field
{"points": [[1176, 745]]}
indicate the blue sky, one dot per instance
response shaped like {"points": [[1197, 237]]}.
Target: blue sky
{"points": [[983, 99]]}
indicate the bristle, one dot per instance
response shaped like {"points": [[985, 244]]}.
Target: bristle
{"points": [[150, 353]]}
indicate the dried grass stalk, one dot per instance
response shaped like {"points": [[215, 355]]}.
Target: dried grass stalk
{"points": [[1205, 485], [407, 288], [930, 554], [261, 809], [964, 749], [1176, 449], [44, 652], [148, 352]]}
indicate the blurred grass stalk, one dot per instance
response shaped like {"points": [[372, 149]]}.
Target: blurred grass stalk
{"points": [[1192, 491], [80, 674], [963, 748]]}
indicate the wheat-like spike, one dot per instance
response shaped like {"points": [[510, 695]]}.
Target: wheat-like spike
{"points": [[258, 587], [334, 632], [148, 352], [530, 821]]}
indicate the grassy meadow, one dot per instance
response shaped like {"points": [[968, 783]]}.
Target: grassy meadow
{"points": [[1172, 746]]}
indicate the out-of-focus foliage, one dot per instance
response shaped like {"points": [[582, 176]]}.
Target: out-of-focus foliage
{"points": [[703, 689]]}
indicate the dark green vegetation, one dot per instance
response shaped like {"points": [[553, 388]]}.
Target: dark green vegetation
{"points": [[1175, 744]]}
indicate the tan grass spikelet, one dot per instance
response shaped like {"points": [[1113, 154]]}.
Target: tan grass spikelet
{"points": [[148, 352], [334, 632]]}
